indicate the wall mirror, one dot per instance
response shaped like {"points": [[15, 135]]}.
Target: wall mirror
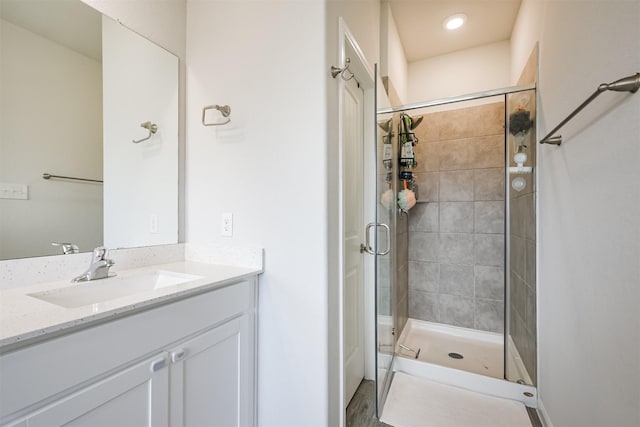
{"points": [[76, 90]]}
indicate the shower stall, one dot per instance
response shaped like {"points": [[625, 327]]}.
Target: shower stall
{"points": [[456, 271]]}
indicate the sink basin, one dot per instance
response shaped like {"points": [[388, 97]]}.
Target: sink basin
{"points": [[98, 291]]}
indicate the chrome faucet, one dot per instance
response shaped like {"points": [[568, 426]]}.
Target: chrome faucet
{"points": [[99, 268], [67, 248]]}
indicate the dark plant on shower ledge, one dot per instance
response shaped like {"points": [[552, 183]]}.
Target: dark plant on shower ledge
{"points": [[520, 122]]}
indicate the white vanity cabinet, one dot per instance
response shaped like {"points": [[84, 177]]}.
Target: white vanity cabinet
{"points": [[210, 382], [136, 396], [186, 363]]}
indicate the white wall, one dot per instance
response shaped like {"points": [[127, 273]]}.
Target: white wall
{"points": [[589, 214], [268, 168], [394, 64], [51, 121], [362, 18], [140, 82], [458, 73], [274, 167], [527, 30]]}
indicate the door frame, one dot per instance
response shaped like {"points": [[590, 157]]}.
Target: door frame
{"points": [[364, 74]]}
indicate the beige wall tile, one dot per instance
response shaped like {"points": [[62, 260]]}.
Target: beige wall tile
{"points": [[424, 276], [425, 217], [456, 279], [456, 186], [489, 315], [456, 217], [489, 282], [427, 156], [428, 186], [457, 154], [489, 184], [456, 310], [456, 248], [488, 152], [489, 217]]}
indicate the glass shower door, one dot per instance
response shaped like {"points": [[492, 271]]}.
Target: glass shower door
{"points": [[384, 247]]}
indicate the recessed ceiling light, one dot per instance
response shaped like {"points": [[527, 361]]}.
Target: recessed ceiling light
{"points": [[454, 21]]}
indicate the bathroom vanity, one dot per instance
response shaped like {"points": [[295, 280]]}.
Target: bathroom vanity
{"points": [[178, 355]]}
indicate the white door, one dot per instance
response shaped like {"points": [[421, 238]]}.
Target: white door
{"points": [[353, 206], [137, 396], [211, 378]]}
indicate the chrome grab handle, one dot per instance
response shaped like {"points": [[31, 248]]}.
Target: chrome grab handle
{"points": [[388, 231], [366, 247]]}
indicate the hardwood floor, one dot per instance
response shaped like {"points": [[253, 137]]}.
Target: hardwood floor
{"points": [[361, 411]]}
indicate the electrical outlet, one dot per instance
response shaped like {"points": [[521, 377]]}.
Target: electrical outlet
{"points": [[153, 223], [227, 224]]}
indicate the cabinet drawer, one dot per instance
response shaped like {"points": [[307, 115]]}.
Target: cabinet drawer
{"points": [[66, 363]]}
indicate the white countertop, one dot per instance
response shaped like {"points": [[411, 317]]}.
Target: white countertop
{"points": [[25, 319]]}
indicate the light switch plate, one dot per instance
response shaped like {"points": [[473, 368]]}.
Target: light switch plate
{"points": [[14, 191]]}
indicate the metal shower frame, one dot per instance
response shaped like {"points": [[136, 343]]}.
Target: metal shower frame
{"points": [[507, 223]]}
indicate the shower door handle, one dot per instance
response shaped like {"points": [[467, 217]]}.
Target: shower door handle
{"points": [[388, 233], [366, 247]]}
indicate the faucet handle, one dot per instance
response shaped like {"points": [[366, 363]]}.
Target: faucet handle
{"points": [[100, 253], [67, 248]]}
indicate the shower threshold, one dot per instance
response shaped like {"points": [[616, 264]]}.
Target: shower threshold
{"points": [[462, 357]]}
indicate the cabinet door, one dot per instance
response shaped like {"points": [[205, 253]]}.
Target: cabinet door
{"points": [[137, 396], [212, 378]]}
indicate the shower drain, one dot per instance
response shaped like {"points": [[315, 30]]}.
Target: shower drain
{"points": [[456, 356]]}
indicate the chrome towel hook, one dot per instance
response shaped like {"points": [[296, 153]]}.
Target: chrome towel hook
{"points": [[151, 127], [225, 110], [337, 70]]}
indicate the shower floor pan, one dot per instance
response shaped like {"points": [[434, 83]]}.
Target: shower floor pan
{"points": [[459, 348], [461, 357]]}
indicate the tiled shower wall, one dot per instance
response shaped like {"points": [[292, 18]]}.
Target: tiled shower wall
{"points": [[522, 212], [522, 319], [402, 272], [389, 266], [456, 231]]}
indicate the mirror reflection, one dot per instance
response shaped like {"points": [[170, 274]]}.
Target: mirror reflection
{"points": [[76, 91]]}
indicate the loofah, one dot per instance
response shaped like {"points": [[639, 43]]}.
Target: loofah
{"points": [[406, 199], [387, 198], [520, 122]]}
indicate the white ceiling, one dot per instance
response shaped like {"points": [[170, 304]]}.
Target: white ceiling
{"points": [[419, 24]]}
